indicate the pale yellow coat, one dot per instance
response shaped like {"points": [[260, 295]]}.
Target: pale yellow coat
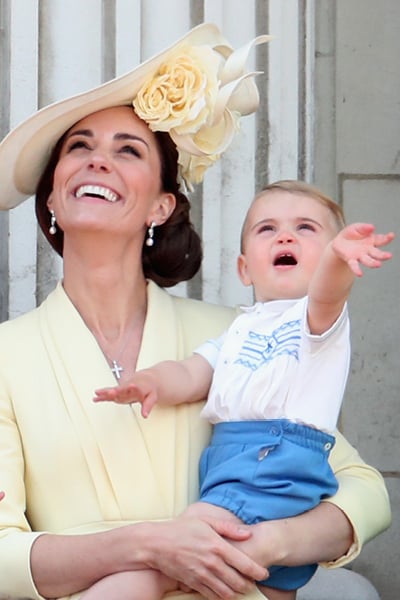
{"points": [[69, 465]]}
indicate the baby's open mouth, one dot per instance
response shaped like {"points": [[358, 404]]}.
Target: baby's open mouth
{"points": [[285, 259]]}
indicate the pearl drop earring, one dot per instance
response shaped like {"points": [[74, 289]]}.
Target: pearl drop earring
{"points": [[150, 234], [52, 228]]}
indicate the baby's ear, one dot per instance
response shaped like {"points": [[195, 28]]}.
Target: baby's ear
{"points": [[243, 271]]}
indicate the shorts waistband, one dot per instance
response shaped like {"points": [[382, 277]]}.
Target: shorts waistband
{"points": [[270, 432]]}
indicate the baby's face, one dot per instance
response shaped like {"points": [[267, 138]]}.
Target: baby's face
{"points": [[285, 235]]}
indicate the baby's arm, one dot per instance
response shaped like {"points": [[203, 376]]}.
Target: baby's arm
{"points": [[355, 245], [168, 383]]}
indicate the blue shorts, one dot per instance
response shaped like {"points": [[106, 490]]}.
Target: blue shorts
{"points": [[263, 470]]}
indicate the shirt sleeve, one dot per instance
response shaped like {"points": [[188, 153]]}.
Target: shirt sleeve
{"points": [[211, 349]]}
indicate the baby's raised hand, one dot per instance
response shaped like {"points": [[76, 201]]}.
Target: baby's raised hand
{"points": [[141, 388], [359, 244]]}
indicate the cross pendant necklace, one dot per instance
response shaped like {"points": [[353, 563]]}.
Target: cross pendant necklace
{"points": [[115, 363], [116, 369]]}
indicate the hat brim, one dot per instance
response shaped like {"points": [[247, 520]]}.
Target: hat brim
{"points": [[25, 151]]}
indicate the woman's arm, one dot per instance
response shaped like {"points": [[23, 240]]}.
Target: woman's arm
{"points": [[38, 564], [189, 550], [321, 534], [362, 496], [192, 552]]}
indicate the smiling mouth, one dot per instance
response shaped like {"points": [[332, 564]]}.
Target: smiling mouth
{"points": [[285, 259], [96, 191]]}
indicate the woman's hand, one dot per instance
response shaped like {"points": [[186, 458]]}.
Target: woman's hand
{"points": [[195, 553], [321, 534], [189, 550]]}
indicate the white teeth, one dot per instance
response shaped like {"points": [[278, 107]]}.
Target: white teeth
{"points": [[96, 190]]}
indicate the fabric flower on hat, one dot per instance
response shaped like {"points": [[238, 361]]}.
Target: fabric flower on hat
{"points": [[182, 94], [192, 168], [198, 94]]}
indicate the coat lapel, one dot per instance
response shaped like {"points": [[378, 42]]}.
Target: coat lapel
{"points": [[133, 461]]}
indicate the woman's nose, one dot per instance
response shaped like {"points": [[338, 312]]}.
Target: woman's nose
{"points": [[99, 162]]}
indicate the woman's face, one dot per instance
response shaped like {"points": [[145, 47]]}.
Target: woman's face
{"points": [[108, 176]]}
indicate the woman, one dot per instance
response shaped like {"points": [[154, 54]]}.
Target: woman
{"points": [[95, 490]]}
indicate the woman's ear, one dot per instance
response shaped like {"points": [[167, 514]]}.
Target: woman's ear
{"points": [[49, 202], [163, 209], [243, 270]]}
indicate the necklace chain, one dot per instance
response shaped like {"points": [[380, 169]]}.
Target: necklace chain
{"points": [[115, 363], [116, 367]]}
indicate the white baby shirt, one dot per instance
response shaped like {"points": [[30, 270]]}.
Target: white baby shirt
{"points": [[268, 366]]}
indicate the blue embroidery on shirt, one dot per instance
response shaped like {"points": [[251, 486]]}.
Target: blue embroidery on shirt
{"points": [[259, 349]]}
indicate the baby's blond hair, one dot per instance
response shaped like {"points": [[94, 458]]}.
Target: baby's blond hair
{"points": [[295, 186]]}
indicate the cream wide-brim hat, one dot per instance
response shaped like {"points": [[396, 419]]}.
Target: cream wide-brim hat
{"points": [[24, 152]]}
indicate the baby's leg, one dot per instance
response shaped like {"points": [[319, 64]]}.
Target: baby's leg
{"points": [[204, 509], [275, 594], [131, 585]]}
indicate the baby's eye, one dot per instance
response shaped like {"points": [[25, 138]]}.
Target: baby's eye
{"points": [[307, 226], [265, 227]]}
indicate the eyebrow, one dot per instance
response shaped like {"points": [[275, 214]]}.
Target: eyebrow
{"points": [[309, 221], [117, 136], [297, 219]]}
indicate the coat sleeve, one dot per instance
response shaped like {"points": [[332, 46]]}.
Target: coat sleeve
{"points": [[362, 496], [16, 537]]}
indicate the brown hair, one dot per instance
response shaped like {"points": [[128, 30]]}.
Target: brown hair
{"points": [[177, 252], [295, 186]]}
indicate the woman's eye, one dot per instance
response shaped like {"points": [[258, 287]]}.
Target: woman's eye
{"points": [[130, 150], [77, 144]]}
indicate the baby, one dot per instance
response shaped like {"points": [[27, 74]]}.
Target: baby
{"points": [[275, 380]]}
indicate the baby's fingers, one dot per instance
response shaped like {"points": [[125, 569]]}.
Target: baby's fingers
{"points": [[377, 255], [381, 239], [121, 394], [148, 404], [372, 259], [129, 393], [355, 267], [104, 394]]}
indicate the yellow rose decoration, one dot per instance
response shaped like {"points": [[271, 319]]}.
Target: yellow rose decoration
{"points": [[198, 94], [182, 94]]}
